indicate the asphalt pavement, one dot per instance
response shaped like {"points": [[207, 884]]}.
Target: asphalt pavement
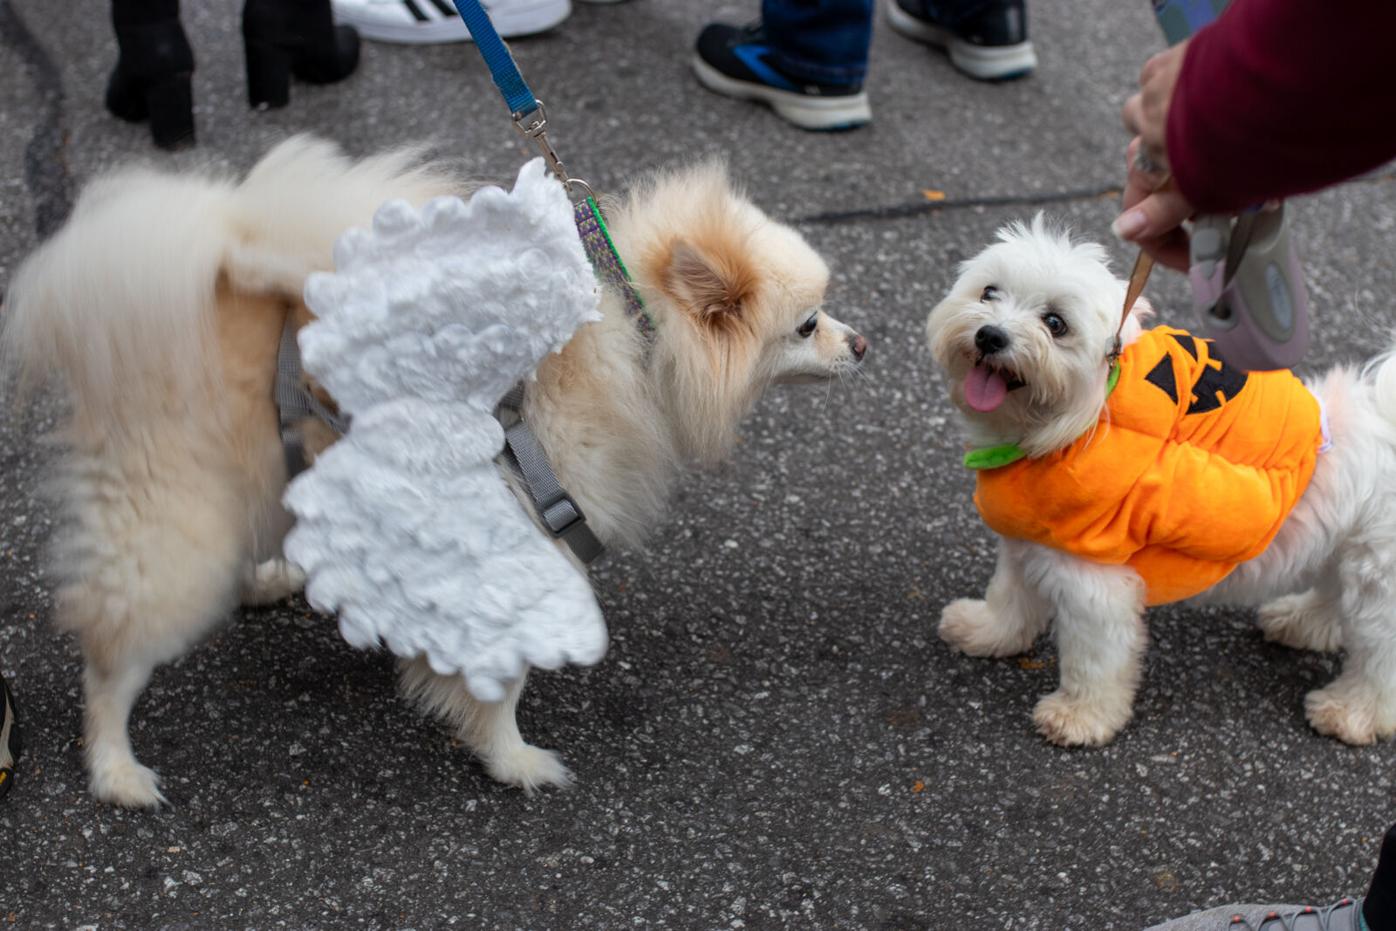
{"points": [[776, 738]]}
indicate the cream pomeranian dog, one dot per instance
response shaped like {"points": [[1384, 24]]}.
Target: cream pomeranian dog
{"points": [[1301, 522], [161, 304]]}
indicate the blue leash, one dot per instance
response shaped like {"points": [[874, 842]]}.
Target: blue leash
{"points": [[555, 508], [505, 72], [531, 118]]}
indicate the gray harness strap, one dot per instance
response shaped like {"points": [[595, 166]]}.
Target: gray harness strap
{"points": [[295, 403], [554, 506]]}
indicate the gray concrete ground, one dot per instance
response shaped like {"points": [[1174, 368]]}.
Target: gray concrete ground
{"points": [[777, 738]]}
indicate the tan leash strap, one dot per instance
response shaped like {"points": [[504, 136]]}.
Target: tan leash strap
{"points": [[1143, 266]]}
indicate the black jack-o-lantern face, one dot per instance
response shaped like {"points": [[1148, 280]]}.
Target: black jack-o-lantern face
{"points": [[1217, 384]]}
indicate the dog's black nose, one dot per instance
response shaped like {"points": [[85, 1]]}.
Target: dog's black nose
{"points": [[990, 339]]}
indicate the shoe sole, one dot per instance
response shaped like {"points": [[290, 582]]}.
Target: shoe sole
{"points": [[816, 113], [996, 63], [515, 19]]}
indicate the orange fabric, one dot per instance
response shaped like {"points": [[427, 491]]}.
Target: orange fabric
{"points": [[1191, 470]]}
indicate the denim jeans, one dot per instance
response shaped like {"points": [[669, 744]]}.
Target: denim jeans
{"points": [[819, 41]]}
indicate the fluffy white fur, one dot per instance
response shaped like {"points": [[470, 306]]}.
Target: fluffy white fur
{"points": [[1328, 580], [160, 305]]}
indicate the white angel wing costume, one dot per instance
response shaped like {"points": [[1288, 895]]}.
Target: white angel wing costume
{"points": [[405, 527]]}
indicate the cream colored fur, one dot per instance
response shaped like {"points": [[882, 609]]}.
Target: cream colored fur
{"points": [[160, 305]]}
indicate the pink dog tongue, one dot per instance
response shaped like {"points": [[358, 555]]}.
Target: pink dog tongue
{"points": [[985, 389]]}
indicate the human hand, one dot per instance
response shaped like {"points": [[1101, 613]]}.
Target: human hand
{"points": [[1153, 212]]}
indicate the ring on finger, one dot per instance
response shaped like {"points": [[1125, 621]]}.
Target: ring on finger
{"points": [[1144, 162]]}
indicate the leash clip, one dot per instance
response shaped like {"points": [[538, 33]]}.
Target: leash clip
{"points": [[534, 125]]}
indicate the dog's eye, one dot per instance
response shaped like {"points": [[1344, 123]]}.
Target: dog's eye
{"points": [[809, 326], [1055, 324], [991, 293]]}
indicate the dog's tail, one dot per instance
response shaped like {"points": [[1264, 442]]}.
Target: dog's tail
{"points": [[117, 303], [120, 303], [304, 193]]}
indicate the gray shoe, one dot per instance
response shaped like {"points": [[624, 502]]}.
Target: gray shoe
{"points": [[1340, 916], [1377, 912]]}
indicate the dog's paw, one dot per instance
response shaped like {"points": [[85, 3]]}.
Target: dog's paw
{"points": [[1301, 622], [529, 768], [970, 626], [129, 785], [1077, 722], [1350, 713], [272, 581]]}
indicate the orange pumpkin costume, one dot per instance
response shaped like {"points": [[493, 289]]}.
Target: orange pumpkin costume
{"points": [[1192, 469]]}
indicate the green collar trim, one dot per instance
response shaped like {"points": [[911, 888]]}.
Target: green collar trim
{"points": [[996, 457]]}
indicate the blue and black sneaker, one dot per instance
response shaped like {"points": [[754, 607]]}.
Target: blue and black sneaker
{"points": [[735, 61], [986, 39]]}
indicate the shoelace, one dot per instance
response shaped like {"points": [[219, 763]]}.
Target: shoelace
{"points": [[1288, 921]]}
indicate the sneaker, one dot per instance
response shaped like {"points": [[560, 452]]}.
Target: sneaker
{"points": [[733, 61], [987, 40], [1376, 912], [428, 22], [1345, 915]]}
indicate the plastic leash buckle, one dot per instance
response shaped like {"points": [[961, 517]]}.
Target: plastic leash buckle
{"points": [[534, 125], [565, 521], [1248, 291]]}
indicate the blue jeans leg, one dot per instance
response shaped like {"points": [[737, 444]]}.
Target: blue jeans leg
{"points": [[820, 41]]}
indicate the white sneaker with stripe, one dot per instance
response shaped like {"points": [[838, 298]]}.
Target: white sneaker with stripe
{"points": [[428, 22]]}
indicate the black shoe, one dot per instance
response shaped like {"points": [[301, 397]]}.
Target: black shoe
{"points": [[285, 37], [11, 745], [986, 39], [152, 78], [736, 62]]}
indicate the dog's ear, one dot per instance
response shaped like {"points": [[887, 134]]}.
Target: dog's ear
{"points": [[713, 283]]}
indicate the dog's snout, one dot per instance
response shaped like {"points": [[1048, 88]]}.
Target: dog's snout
{"points": [[858, 345], [990, 339]]}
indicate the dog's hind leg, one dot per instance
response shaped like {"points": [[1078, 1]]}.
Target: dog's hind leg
{"points": [[1309, 620], [1100, 640], [111, 690], [1008, 620], [1359, 707], [133, 634], [489, 729], [150, 566]]}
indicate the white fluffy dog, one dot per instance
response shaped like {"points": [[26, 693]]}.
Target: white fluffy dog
{"points": [[1039, 313], [161, 304]]}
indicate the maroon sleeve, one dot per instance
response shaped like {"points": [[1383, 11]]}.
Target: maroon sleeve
{"points": [[1280, 97]]}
